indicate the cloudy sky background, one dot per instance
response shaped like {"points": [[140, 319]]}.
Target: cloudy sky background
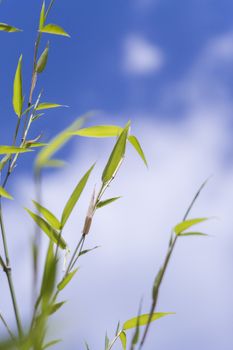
{"points": [[168, 67]]}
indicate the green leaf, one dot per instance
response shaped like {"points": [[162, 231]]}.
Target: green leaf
{"points": [[123, 339], [35, 144], [62, 138], [184, 225], [42, 16], [42, 61], [55, 307], [51, 343], [144, 319], [49, 277], [106, 202], [66, 280], [116, 156], [4, 161], [50, 217], [4, 193], [99, 131], [83, 252], [54, 29], [106, 342], [192, 234], [75, 196], [47, 105], [18, 89], [50, 232], [135, 143], [8, 28], [13, 150]]}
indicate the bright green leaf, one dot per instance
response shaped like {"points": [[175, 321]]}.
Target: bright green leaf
{"points": [[123, 340], [42, 61], [75, 196], [135, 143], [50, 217], [13, 150], [55, 307], [4, 193], [18, 89], [192, 234], [106, 202], [144, 319], [66, 280], [184, 225], [49, 276], [50, 232], [51, 343], [99, 131], [116, 156], [54, 29], [42, 16], [7, 28], [47, 105], [106, 342]]}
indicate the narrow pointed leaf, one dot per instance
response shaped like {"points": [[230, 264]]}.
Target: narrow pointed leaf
{"points": [[8, 28], [18, 89], [13, 150], [47, 105], [50, 217], [4, 161], [184, 225], [75, 197], [135, 143], [123, 340], [42, 16], [42, 61], [106, 202], [4, 193], [51, 343], [66, 280], [99, 131], [192, 234], [116, 156], [49, 276], [56, 307], [83, 252], [144, 319], [106, 342], [54, 29], [50, 232]]}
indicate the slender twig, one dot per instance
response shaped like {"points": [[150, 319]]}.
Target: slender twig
{"points": [[7, 327]]}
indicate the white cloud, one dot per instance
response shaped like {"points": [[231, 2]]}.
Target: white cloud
{"points": [[141, 57]]}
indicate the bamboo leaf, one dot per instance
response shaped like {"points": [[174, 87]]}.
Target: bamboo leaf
{"points": [[66, 280], [51, 343], [4, 161], [18, 89], [4, 193], [99, 131], [54, 29], [184, 225], [106, 342], [50, 217], [42, 61], [49, 276], [75, 196], [192, 234], [135, 143], [13, 150], [106, 202], [83, 252], [8, 28], [47, 105], [123, 340], [42, 16], [144, 319], [116, 156], [50, 232], [56, 307]]}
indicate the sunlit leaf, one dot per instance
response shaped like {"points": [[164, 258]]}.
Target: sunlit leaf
{"points": [[42, 61], [99, 131], [51, 343], [184, 225], [50, 217], [54, 29], [4, 193], [18, 89], [135, 143], [66, 280], [75, 196], [13, 150], [8, 28], [106, 202], [123, 340], [47, 105], [42, 16], [144, 319], [55, 307], [116, 156], [49, 276], [50, 232]]}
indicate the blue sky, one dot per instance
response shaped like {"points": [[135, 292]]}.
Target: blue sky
{"points": [[166, 65]]}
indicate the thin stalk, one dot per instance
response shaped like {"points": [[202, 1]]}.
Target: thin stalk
{"points": [[80, 251], [7, 327], [74, 255]]}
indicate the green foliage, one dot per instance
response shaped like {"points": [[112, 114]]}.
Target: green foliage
{"points": [[67, 278], [18, 89], [4, 193], [54, 29], [8, 28]]}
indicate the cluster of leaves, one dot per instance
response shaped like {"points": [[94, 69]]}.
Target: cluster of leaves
{"points": [[51, 284]]}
